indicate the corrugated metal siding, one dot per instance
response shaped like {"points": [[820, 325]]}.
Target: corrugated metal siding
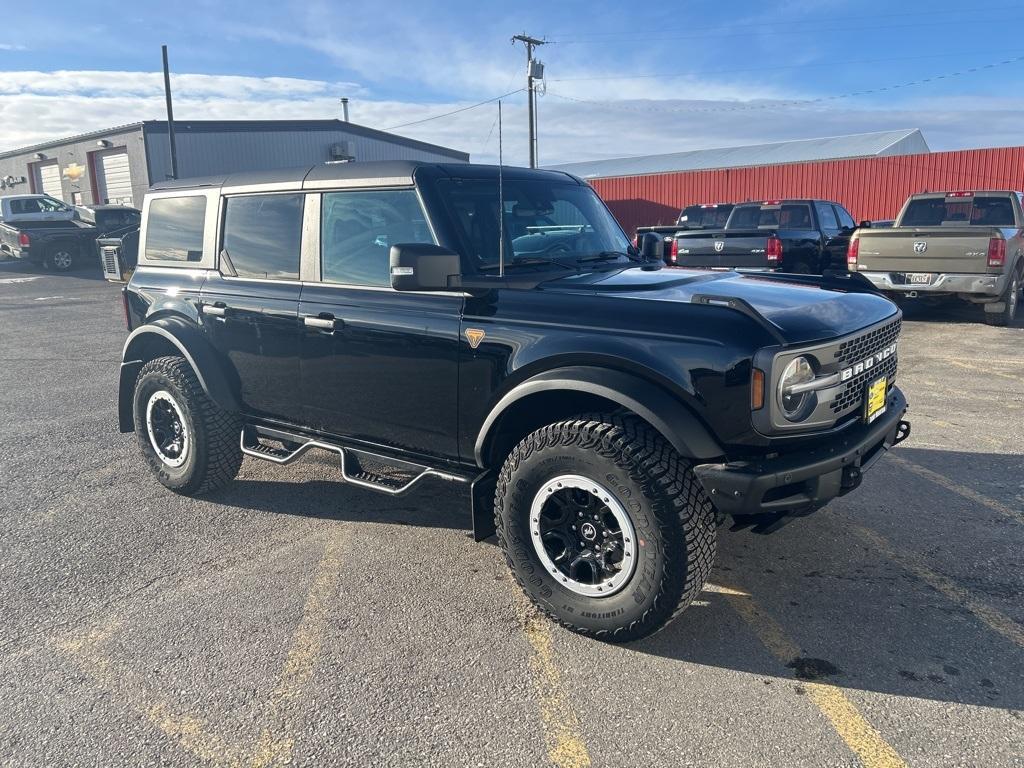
{"points": [[209, 153], [870, 188]]}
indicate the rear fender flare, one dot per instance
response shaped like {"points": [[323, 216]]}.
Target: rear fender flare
{"points": [[192, 345], [670, 417]]}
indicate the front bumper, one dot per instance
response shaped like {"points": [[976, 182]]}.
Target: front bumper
{"points": [[808, 479], [983, 285]]}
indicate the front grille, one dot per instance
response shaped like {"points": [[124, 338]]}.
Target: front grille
{"points": [[858, 349]]}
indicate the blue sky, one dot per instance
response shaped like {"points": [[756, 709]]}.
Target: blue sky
{"points": [[622, 79]]}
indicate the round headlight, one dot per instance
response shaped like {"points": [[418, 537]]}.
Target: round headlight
{"points": [[799, 371]]}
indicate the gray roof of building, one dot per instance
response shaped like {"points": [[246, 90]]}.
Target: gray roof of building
{"points": [[903, 142], [224, 126]]}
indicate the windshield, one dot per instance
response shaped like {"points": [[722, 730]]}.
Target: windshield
{"points": [[970, 211], [704, 216], [545, 221]]}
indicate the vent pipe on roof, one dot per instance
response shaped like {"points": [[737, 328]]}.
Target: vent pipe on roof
{"points": [[344, 108]]}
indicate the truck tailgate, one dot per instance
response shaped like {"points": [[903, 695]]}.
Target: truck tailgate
{"points": [[949, 250], [743, 249]]}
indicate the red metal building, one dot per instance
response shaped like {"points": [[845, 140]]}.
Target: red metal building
{"points": [[869, 187]]}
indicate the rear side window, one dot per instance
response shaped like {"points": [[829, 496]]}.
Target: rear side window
{"points": [[827, 217], [174, 229], [263, 235], [359, 229]]}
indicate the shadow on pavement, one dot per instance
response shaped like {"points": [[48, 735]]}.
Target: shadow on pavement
{"points": [[861, 620]]}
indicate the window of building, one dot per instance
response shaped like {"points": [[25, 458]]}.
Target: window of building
{"points": [[359, 228], [263, 235], [174, 229]]}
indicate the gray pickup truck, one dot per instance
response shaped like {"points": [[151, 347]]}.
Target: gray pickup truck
{"points": [[944, 244]]}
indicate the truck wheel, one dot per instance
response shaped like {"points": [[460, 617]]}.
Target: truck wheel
{"points": [[190, 444], [1010, 300], [604, 526], [60, 258]]}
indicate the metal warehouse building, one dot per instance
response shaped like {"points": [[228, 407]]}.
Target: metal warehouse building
{"points": [[118, 165], [871, 174]]}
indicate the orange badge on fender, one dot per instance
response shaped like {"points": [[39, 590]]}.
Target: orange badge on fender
{"points": [[475, 336]]}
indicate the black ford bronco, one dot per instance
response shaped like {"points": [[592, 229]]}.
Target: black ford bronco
{"points": [[495, 327]]}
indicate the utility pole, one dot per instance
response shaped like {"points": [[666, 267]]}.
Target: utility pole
{"points": [[534, 71], [170, 115]]}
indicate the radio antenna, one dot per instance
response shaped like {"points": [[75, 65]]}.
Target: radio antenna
{"points": [[501, 204]]}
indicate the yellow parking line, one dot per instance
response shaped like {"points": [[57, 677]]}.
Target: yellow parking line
{"points": [[277, 740], [860, 736], [566, 748], [995, 620], [961, 490], [190, 732]]}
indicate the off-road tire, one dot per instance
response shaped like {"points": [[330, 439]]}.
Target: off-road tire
{"points": [[214, 451], [1011, 301], [673, 519]]}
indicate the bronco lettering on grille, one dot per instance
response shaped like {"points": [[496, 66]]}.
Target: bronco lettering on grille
{"points": [[867, 364]]}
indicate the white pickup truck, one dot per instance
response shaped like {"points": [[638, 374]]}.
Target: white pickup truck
{"points": [[18, 209], [964, 244]]}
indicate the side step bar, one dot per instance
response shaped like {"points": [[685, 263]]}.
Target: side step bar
{"points": [[408, 474]]}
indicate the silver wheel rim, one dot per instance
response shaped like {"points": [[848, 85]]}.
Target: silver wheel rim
{"points": [[167, 429], [1014, 295], [606, 526], [62, 260]]}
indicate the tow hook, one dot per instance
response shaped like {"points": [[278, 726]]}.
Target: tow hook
{"points": [[902, 432]]}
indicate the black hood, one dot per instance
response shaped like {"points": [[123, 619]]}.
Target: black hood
{"points": [[801, 313]]}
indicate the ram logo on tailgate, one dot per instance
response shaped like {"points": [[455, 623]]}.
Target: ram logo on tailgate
{"points": [[719, 246], [920, 246]]}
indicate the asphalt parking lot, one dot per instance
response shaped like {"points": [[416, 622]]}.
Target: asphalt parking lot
{"points": [[293, 619]]}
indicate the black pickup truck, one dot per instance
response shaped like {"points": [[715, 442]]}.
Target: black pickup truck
{"points": [[605, 412], [62, 245], [798, 236], [704, 216]]}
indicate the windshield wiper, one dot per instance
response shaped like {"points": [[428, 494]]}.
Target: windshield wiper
{"points": [[532, 261], [606, 256]]}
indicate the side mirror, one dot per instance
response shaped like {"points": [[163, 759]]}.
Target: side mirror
{"points": [[865, 224], [424, 267], [650, 247]]}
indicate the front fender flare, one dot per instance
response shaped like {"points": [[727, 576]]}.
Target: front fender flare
{"points": [[192, 345], [677, 423]]}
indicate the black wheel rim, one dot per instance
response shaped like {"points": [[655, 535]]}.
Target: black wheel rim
{"points": [[168, 433], [583, 536]]}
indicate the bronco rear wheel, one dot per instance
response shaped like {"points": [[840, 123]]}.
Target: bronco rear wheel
{"points": [[190, 444], [604, 526]]}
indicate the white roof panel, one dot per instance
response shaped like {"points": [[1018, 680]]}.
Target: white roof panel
{"points": [[904, 142]]}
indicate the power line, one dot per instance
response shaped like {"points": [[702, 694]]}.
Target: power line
{"points": [[786, 29], [823, 64], [454, 111], [793, 102]]}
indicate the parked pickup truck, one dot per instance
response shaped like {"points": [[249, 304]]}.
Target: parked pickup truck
{"points": [[604, 412], [798, 236], [705, 216], [944, 244], [59, 243]]}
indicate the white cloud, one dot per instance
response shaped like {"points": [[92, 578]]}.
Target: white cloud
{"points": [[12, 47], [38, 106]]}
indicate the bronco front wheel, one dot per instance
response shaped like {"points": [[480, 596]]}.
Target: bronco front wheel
{"points": [[604, 526]]}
